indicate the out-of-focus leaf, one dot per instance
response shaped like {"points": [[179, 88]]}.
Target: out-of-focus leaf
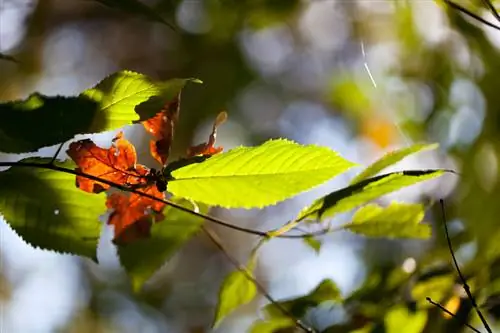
{"points": [[120, 99], [143, 257], [272, 325], [398, 220], [391, 158], [135, 7], [313, 243], [326, 291], [250, 177], [436, 288], [48, 211], [400, 319], [235, 291], [367, 190]]}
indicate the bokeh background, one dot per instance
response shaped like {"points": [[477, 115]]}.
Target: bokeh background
{"points": [[360, 76]]}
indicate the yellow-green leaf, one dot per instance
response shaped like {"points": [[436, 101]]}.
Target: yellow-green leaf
{"points": [[250, 177]]}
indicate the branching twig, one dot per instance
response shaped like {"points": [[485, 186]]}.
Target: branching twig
{"points": [[57, 153], [462, 277], [212, 219], [492, 9], [215, 239], [442, 308], [471, 14]]}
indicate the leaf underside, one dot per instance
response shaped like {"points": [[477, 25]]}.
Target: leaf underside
{"points": [[121, 99], [145, 256], [48, 211], [365, 191], [251, 177]]}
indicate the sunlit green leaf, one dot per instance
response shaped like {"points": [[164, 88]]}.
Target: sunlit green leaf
{"points": [[48, 211], [248, 177], [143, 257], [272, 325], [235, 291], [391, 158], [397, 220], [400, 318], [367, 190], [326, 291], [436, 288], [120, 99]]}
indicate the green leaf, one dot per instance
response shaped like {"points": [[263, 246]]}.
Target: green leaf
{"points": [[400, 317], [313, 243], [120, 99], [398, 220], [136, 7], [391, 158], [248, 177], [235, 291], [272, 325], [48, 211], [142, 258], [324, 292], [367, 190]]}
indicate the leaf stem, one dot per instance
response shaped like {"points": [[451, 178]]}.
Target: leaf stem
{"points": [[49, 166], [215, 239]]}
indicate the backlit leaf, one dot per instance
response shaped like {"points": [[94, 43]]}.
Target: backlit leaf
{"points": [[391, 158], [313, 243], [397, 220], [120, 99], [46, 209], [145, 256], [326, 291], [235, 291], [367, 190], [248, 177]]}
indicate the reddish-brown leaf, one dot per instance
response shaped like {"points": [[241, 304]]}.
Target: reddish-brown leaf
{"points": [[116, 164], [161, 126], [208, 148], [134, 214]]}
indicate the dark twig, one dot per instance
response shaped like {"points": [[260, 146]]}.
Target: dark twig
{"points": [[57, 153], [462, 277], [215, 239], [442, 308], [492, 9], [471, 14], [212, 219]]}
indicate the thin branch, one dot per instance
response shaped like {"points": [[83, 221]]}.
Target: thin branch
{"points": [[57, 153], [492, 9], [442, 308], [215, 239], [212, 219], [471, 14], [462, 277]]}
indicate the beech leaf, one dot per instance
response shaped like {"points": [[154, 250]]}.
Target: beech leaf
{"points": [[48, 211], [250, 177]]}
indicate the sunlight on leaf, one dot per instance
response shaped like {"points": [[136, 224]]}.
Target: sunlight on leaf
{"points": [[367, 190], [326, 291], [46, 209], [250, 177], [145, 256], [398, 220], [391, 158], [400, 317], [235, 291], [121, 99]]}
